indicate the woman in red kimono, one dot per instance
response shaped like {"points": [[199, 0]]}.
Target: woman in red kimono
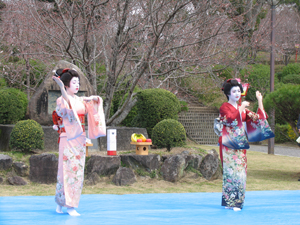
{"points": [[239, 126], [71, 111]]}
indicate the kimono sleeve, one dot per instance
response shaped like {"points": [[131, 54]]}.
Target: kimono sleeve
{"points": [[96, 119], [258, 128], [233, 132], [71, 121]]}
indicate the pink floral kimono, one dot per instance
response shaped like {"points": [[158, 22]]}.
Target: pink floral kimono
{"points": [[233, 144], [72, 142]]}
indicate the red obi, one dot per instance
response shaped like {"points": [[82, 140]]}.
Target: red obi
{"points": [[57, 120]]}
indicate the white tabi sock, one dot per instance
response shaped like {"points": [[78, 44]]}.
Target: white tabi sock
{"points": [[236, 209], [72, 212], [59, 209]]}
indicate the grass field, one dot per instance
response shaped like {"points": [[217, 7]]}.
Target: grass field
{"points": [[265, 172]]}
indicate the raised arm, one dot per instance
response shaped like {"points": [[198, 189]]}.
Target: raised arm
{"points": [[62, 89], [259, 99]]}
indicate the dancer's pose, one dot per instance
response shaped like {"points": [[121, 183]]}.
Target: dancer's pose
{"points": [[72, 110], [234, 140]]}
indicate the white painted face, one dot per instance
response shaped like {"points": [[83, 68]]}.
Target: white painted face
{"points": [[235, 94], [74, 85]]}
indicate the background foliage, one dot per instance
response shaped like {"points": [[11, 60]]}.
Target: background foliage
{"points": [[168, 133], [13, 105], [26, 136], [155, 105]]}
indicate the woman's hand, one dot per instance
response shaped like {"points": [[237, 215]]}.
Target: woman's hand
{"points": [[91, 98], [259, 96], [259, 99], [58, 81], [55, 127], [243, 106]]}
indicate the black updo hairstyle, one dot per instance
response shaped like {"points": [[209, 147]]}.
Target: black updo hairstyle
{"points": [[230, 83], [66, 75]]}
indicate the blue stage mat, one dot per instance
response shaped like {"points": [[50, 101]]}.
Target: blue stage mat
{"points": [[261, 207]]}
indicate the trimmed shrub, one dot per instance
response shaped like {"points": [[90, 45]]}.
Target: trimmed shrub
{"points": [[27, 135], [292, 68], [286, 102], [281, 133], [155, 105], [291, 79], [2, 83], [258, 76], [168, 133], [13, 105]]}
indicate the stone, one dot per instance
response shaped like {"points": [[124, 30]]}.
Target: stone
{"points": [[21, 169], [209, 164], [124, 176], [5, 131], [185, 152], [146, 162], [16, 180], [165, 157], [1, 180], [92, 179], [103, 165], [193, 160], [43, 101], [5, 162], [173, 168], [43, 168]]}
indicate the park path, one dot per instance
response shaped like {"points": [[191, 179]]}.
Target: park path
{"points": [[278, 149]]}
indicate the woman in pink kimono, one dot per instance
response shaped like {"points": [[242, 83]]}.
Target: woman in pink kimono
{"points": [[234, 141], [72, 110]]}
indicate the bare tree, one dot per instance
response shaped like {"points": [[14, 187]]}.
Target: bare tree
{"points": [[140, 42]]}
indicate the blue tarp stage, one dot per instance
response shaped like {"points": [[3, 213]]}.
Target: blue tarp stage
{"points": [[261, 207]]}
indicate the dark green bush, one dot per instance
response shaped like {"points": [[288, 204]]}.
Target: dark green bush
{"points": [[286, 102], [122, 96], [13, 105], [281, 132], [27, 135], [292, 68], [168, 133], [291, 79], [258, 76], [155, 105], [2, 83]]}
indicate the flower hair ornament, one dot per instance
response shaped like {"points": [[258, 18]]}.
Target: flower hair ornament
{"points": [[65, 70]]}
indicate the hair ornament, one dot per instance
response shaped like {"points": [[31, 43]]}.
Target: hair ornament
{"points": [[65, 70]]}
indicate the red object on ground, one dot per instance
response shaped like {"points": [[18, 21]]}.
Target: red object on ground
{"points": [[111, 152]]}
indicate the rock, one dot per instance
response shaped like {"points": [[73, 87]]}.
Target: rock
{"points": [[92, 179], [16, 180], [21, 169], [173, 168], [43, 168], [218, 174], [185, 153], [210, 164], [1, 180], [124, 176], [103, 165], [5, 162], [165, 157], [193, 160], [147, 162]]}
